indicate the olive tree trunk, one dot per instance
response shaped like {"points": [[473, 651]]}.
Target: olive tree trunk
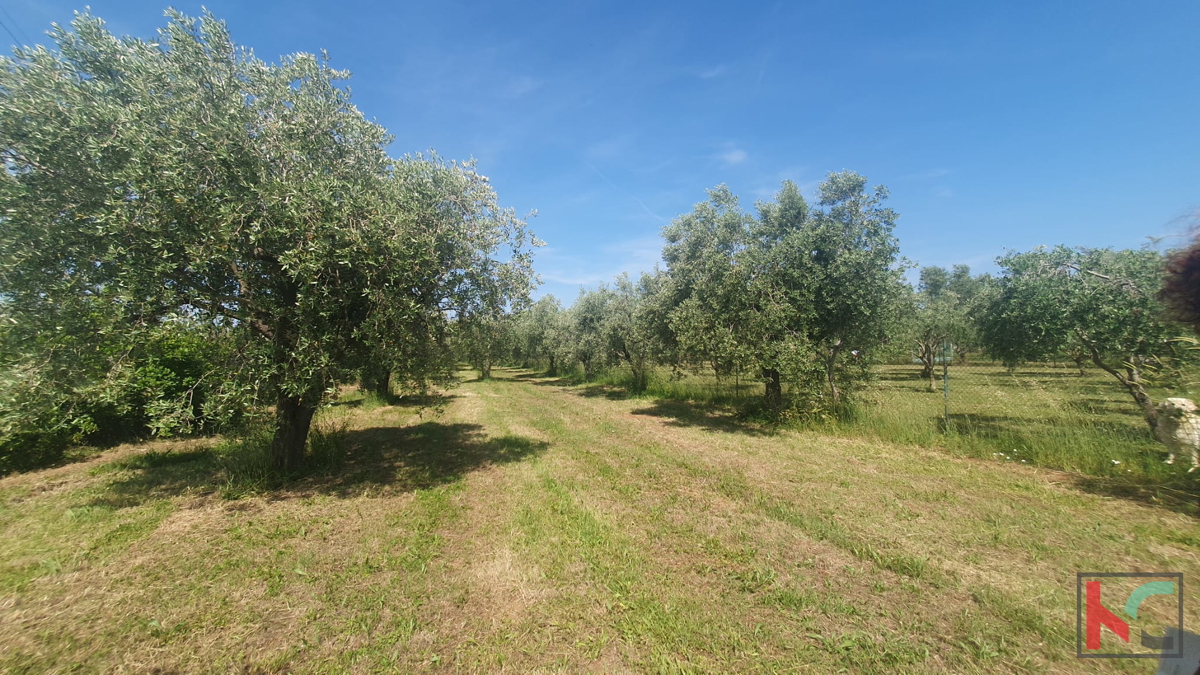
{"points": [[379, 383], [293, 418], [774, 381], [835, 394], [1132, 381], [926, 352]]}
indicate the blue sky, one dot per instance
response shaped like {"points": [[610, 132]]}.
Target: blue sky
{"points": [[995, 125]]}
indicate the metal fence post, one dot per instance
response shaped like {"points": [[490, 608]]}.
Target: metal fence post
{"points": [[946, 383]]}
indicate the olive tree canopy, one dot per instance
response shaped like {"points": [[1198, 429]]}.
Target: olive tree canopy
{"points": [[798, 293], [185, 175], [1104, 302]]}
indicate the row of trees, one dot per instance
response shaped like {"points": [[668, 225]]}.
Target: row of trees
{"points": [[184, 188], [813, 296], [1097, 307], [791, 293]]}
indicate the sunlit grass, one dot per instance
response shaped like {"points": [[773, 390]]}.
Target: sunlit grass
{"points": [[1043, 415], [527, 525]]}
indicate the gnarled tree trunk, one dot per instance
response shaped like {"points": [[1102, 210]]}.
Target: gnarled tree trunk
{"points": [[774, 397], [1132, 381], [293, 418], [637, 366], [379, 383], [293, 412], [926, 352], [835, 394], [639, 376]]}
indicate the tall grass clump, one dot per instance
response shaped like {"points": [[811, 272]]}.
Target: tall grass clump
{"points": [[244, 463], [327, 446], [1075, 444]]}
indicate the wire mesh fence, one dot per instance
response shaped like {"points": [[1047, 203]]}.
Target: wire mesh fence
{"points": [[1059, 413]]}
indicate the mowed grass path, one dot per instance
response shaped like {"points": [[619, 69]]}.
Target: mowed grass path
{"points": [[534, 527]]}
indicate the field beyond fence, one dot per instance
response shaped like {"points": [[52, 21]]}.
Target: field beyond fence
{"points": [[1045, 414]]}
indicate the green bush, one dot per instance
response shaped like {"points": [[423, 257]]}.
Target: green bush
{"points": [[163, 382]]}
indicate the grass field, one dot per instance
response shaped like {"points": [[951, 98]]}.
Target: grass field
{"points": [[1043, 415], [1047, 415], [530, 526]]}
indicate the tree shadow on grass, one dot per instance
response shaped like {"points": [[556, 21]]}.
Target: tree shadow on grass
{"points": [[347, 403], [1098, 405], [389, 459], [427, 400], [418, 457], [1168, 488], [1179, 494], [705, 416], [608, 391], [154, 474], [532, 375], [901, 375], [992, 426], [543, 380]]}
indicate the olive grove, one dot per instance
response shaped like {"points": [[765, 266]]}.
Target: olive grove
{"points": [[184, 180]]}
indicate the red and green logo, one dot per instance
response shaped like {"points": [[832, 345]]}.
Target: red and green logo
{"points": [[1136, 608]]}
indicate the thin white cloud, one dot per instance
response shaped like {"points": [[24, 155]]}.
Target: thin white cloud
{"points": [[715, 71], [555, 266], [640, 254], [609, 148], [575, 279], [626, 193], [631, 256], [734, 156], [762, 70]]}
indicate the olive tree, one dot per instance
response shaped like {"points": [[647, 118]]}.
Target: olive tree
{"points": [[184, 174], [705, 290], [631, 325], [485, 341], [941, 312], [798, 293], [536, 334], [847, 258], [1101, 301], [585, 335]]}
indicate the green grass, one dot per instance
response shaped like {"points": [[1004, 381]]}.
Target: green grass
{"points": [[528, 526], [1040, 415]]}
